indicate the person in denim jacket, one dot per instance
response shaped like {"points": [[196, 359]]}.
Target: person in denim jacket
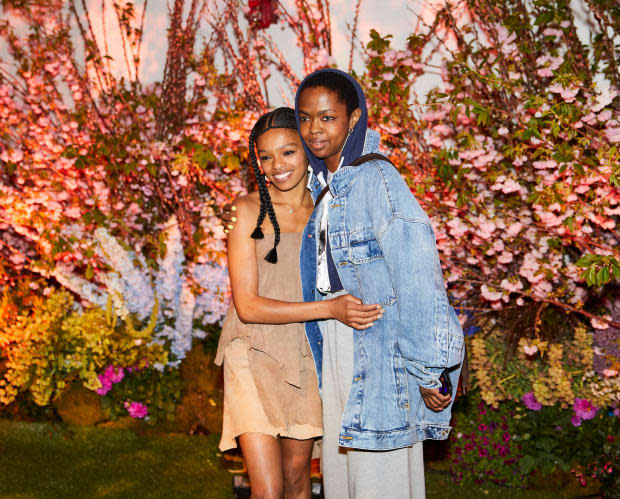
{"points": [[369, 237]]}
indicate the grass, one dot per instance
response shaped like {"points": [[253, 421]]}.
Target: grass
{"points": [[42, 460]]}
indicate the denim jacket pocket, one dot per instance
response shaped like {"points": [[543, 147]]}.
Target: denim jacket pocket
{"points": [[369, 268], [363, 246]]}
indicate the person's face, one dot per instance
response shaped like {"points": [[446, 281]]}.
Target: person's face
{"points": [[324, 124], [282, 158]]}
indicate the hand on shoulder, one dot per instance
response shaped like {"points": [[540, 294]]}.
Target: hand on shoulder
{"points": [[231, 212]]}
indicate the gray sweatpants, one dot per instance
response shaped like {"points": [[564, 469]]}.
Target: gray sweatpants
{"points": [[359, 474]]}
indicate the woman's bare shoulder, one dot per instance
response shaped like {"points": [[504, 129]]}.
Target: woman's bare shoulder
{"points": [[248, 207]]}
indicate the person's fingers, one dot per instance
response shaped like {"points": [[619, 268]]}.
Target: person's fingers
{"points": [[365, 308], [352, 299], [362, 326], [359, 314]]}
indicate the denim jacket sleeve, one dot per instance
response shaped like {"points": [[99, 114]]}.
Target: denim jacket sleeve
{"points": [[407, 241]]}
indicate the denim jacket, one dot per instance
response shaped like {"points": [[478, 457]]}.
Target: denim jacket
{"points": [[384, 249]]}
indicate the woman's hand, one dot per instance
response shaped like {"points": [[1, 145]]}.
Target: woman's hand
{"points": [[434, 400], [228, 217], [351, 311]]}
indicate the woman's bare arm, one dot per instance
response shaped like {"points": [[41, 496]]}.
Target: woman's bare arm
{"points": [[252, 308]]}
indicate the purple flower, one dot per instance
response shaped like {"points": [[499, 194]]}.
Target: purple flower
{"points": [[482, 427], [576, 421], [617, 412], [136, 410], [106, 385], [117, 375], [506, 437], [482, 452], [503, 450], [529, 399], [584, 409]]}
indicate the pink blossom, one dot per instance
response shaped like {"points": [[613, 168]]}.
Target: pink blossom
{"points": [[613, 134], [552, 32], [486, 228], [547, 71], [568, 94], [584, 409], [489, 295], [106, 386], [514, 229], [604, 99], [16, 156], [503, 131], [457, 227], [589, 118], [136, 410], [575, 421], [598, 324], [530, 349], [542, 288], [434, 115], [529, 400], [511, 286], [541, 165], [610, 373], [506, 40], [511, 185]]}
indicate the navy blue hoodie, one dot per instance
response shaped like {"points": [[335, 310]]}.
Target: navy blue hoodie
{"points": [[352, 150]]}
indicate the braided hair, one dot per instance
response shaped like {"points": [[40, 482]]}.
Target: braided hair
{"points": [[282, 117]]}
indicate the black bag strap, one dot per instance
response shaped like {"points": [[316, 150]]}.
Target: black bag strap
{"points": [[373, 156]]}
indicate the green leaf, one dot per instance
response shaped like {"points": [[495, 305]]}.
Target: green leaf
{"points": [[527, 465], [586, 260], [543, 18]]}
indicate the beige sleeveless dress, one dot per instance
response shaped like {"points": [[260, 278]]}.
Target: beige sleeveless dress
{"points": [[270, 383]]}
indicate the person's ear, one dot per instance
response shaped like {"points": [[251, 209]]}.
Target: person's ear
{"points": [[354, 118]]}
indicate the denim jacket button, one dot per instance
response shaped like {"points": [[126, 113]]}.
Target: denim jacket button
{"points": [[309, 235], [342, 264], [357, 378]]}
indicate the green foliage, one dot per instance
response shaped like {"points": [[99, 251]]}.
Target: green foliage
{"points": [[482, 448], [599, 269], [51, 343], [549, 441], [159, 391]]}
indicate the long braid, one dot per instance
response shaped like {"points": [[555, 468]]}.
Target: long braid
{"points": [[260, 179], [272, 256], [279, 118]]}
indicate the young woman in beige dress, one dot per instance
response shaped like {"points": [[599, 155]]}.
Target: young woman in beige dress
{"points": [[271, 400]]}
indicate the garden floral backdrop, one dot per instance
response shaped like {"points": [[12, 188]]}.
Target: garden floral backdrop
{"points": [[112, 260]]}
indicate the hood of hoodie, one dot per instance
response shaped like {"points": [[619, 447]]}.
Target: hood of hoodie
{"points": [[354, 145]]}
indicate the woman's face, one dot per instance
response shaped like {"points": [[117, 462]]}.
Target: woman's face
{"points": [[324, 123], [282, 158]]}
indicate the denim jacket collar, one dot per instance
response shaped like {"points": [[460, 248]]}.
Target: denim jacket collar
{"points": [[345, 175]]}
